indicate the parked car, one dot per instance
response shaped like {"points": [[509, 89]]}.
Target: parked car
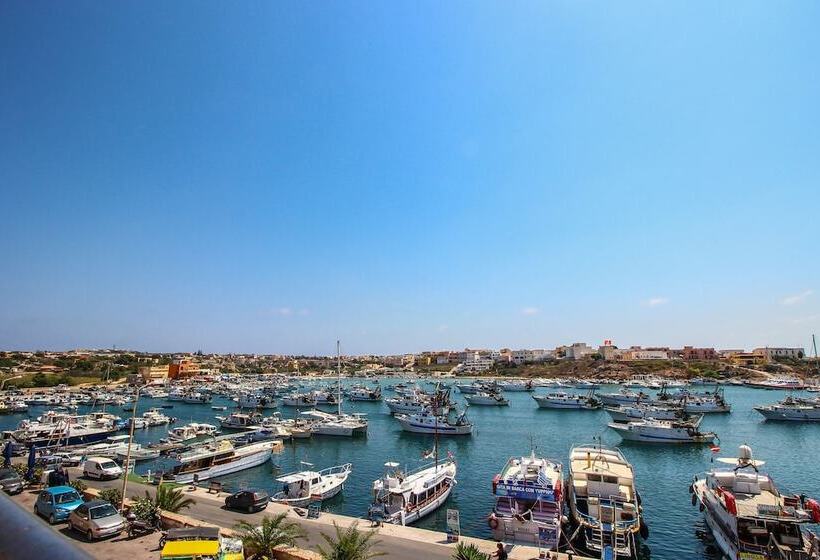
{"points": [[57, 502], [248, 500], [68, 459], [10, 481], [96, 519], [49, 462], [101, 468]]}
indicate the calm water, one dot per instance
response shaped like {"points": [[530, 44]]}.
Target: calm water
{"points": [[663, 473]]}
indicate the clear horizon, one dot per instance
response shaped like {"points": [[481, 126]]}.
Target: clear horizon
{"points": [[271, 177]]}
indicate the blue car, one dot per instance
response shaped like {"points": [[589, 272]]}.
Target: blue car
{"points": [[57, 502]]}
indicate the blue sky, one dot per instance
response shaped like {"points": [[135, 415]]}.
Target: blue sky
{"points": [[272, 176]]}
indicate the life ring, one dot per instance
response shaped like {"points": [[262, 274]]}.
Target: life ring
{"points": [[492, 521]]}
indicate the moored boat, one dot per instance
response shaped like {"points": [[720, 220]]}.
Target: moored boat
{"points": [[405, 497], [663, 431], [303, 487]]}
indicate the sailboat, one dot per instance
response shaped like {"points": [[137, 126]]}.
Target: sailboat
{"points": [[338, 424]]}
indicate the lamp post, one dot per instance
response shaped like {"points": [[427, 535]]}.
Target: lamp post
{"points": [[130, 441]]}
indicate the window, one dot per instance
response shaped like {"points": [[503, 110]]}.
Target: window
{"points": [[106, 510], [108, 465], [66, 497]]}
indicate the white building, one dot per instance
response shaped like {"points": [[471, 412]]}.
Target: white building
{"points": [[578, 350], [772, 353]]}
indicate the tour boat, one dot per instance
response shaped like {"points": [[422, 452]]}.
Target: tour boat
{"points": [[218, 458], [561, 399], [792, 409], [749, 517], [429, 423], [603, 501], [405, 497], [299, 399], [781, 382], [487, 399], [191, 431], [529, 502], [303, 487], [663, 431], [252, 400]]}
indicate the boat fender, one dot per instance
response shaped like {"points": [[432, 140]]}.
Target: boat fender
{"points": [[814, 507], [644, 530], [492, 521]]}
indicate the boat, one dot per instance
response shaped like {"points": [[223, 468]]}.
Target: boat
{"points": [[240, 420], [528, 502], [197, 398], [219, 408], [403, 498], [516, 386], [299, 399], [365, 394], [663, 431], [631, 413], [218, 458], [252, 400], [62, 429], [561, 399], [487, 399], [623, 396], [305, 487], [108, 448], [138, 453], [778, 382], [327, 424], [791, 409], [749, 517], [603, 502], [429, 423], [191, 431]]}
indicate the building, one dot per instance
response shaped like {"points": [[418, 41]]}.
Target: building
{"points": [[747, 358], [690, 353], [635, 353], [610, 352], [155, 375], [771, 354], [477, 364], [183, 367], [578, 350]]}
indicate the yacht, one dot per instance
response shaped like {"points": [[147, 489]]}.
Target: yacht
{"points": [[749, 517], [603, 501], [156, 417], [191, 431], [561, 399], [529, 502], [429, 423], [792, 409], [405, 497], [487, 399], [663, 431], [303, 487], [56, 428], [218, 458], [107, 448]]}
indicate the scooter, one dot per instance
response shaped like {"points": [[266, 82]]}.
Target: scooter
{"points": [[141, 526]]}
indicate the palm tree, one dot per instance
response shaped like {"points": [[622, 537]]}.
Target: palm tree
{"points": [[468, 552], [262, 541], [171, 499], [349, 544]]}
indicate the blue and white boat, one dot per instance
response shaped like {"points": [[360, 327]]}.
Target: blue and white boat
{"points": [[428, 423]]}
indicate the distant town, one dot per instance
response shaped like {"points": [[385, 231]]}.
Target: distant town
{"points": [[74, 367]]}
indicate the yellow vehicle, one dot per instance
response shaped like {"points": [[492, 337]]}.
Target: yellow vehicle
{"points": [[201, 544]]}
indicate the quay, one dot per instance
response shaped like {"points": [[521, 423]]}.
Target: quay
{"points": [[400, 543]]}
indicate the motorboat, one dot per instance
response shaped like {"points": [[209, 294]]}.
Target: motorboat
{"points": [[749, 517], [631, 413], [623, 396], [429, 423], [191, 431], [603, 502], [528, 502], [327, 424], [62, 429], [366, 394], [197, 398], [240, 420], [138, 453], [483, 398], [218, 458], [299, 399], [663, 431], [562, 399], [792, 409], [404, 497], [254, 400], [516, 386], [302, 488], [780, 382]]}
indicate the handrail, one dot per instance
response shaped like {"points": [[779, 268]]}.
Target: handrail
{"points": [[40, 541]]}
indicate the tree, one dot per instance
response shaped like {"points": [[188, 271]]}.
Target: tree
{"points": [[274, 532], [171, 499], [349, 544], [469, 552]]}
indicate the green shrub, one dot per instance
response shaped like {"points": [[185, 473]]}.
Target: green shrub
{"points": [[112, 496]]}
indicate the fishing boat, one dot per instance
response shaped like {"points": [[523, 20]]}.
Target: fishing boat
{"points": [[253, 400], [562, 399], [365, 394], [429, 423], [218, 458], [191, 431], [529, 502], [663, 431], [240, 421], [623, 396], [299, 399], [197, 398], [792, 409], [603, 502], [304, 487], [749, 517], [631, 413], [483, 398]]}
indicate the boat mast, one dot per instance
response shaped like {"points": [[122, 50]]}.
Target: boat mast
{"points": [[339, 376], [435, 431], [816, 359]]}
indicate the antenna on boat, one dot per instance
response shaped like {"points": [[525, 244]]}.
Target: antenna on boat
{"points": [[339, 376]]}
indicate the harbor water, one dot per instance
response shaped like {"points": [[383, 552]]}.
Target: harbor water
{"points": [[663, 472]]}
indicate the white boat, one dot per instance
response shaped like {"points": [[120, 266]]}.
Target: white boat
{"points": [[299, 399], [519, 386], [156, 417], [792, 410], [662, 431], [252, 400], [197, 398], [240, 420], [631, 413], [428, 423], [191, 431], [366, 394], [61, 429], [624, 396], [138, 453], [303, 487], [603, 501], [218, 458], [337, 424], [108, 448], [749, 517], [529, 502], [779, 382], [487, 399], [405, 497], [561, 399]]}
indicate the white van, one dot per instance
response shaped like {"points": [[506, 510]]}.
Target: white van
{"points": [[101, 468]]}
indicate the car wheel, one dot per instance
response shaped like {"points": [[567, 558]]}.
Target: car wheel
{"points": [[89, 535], [51, 519], [36, 511]]}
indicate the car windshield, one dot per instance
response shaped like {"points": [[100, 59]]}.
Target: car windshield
{"points": [[66, 497], [108, 464], [106, 510], [7, 473]]}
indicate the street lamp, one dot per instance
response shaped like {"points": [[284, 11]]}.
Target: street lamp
{"points": [[130, 441]]}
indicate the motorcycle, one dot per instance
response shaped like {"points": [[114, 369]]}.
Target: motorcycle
{"points": [[138, 527]]}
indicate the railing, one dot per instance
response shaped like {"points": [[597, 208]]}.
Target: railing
{"points": [[40, 540]]}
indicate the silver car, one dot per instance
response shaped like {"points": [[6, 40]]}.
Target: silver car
{"points": [[96, 519]]}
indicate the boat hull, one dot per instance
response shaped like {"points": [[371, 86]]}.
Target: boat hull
{"points": [[247, 462]]}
